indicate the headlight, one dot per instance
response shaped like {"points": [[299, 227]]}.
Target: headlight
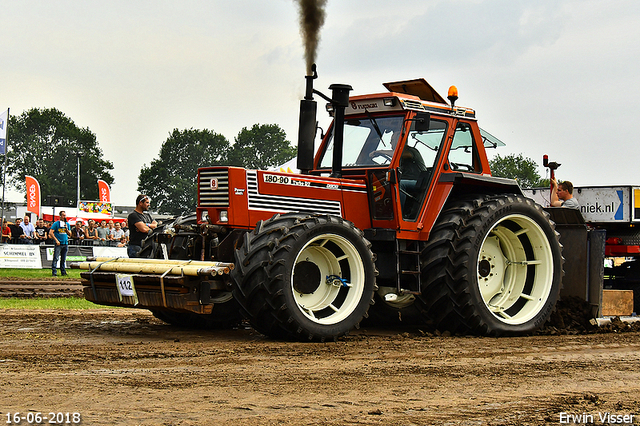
{"points": [[224, 216]]}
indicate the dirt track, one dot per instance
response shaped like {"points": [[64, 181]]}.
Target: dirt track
{"points": [[125, 367]]}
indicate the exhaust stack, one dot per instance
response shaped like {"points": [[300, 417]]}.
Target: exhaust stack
{"points": [[307, 125]]}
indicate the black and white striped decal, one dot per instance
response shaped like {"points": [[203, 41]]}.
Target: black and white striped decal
{"points": [[282, 204]]}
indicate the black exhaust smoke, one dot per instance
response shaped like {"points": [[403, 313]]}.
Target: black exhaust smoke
{"points": [[311, 20]]}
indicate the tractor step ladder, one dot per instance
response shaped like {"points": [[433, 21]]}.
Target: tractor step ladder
{"points": [[408, 266]]}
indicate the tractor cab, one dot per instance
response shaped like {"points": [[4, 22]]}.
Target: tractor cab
{"points": [[402, 144]]}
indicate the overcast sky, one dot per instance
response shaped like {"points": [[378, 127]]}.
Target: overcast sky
{"points": [[556, 77]]}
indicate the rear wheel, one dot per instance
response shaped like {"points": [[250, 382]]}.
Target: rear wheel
{"points": [[304, 277], [493, 266]]}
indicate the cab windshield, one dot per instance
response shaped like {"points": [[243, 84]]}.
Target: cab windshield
{"points": [[368, 141]]}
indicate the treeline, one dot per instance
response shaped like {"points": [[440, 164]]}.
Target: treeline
{"points": [[46, 144]]}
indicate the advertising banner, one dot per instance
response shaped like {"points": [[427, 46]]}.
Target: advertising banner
{"points": [[38, 257], [110, 252], [104, 192], [20, 256], [598, 204], [33, 195], [4, 116], [95, 207]]}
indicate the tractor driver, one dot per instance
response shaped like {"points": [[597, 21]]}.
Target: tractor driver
{"points": [[411, 166]]}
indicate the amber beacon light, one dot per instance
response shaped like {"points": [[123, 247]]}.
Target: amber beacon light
{"points": [[453, 95]]}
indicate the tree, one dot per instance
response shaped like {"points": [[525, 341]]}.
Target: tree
{"points": [[512, 166], [43, 143], [262, 147], [170, 180]]}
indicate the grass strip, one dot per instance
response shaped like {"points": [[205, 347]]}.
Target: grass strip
{"points": [[31, 274], [48, 303]]}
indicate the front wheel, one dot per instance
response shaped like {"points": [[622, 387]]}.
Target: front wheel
{"points": [[304, 277], [493, 266]]}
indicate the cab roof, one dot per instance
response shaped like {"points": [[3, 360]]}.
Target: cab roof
{"points": [[416, 87]]}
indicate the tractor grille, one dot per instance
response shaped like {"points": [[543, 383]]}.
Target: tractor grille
{"points": [[213, 197]]}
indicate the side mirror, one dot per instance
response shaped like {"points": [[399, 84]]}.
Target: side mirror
{"points": [[422, 120]]}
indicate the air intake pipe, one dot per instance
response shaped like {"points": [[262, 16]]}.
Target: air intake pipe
{"points": [[340, 102]]}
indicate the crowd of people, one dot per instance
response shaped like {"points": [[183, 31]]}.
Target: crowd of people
{"points": [[105, 233], [61, 233]]}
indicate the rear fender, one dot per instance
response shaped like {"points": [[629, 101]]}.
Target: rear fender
{"points": [[454, 186]]}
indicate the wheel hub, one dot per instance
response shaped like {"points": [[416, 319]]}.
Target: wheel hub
{"points": [[484, 268], [306, 277]]}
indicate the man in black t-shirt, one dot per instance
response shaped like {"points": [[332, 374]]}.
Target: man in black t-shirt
{"points": [[41, 231], [16, 231], [140, 223]]}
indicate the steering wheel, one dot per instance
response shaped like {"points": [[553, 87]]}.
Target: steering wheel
{"points": [[375, 154], [461, 166]]}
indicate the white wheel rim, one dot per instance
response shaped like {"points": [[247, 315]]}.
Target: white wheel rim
{"points": [[333, 255], [515, 269]]}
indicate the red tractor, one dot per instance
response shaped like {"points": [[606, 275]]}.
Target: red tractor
{"points": [[396, 209]]}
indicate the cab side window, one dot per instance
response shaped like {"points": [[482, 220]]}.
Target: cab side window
{"points": [[417, 161], [463, 156]]}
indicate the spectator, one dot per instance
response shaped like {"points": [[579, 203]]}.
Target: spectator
{"points": [[41, 231], [111, 227], [117, 234], [6, 232], [122, 242], [125, 228], [28, 231], [91, 233], [16, 231], [103, 233], [562, 195], [77, 233], [60, 233], [48, 226]]}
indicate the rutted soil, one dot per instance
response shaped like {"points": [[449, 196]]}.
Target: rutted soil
{"points": [[122, 366]]}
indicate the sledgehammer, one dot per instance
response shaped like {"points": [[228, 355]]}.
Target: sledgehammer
{"points": [[552, 166]]}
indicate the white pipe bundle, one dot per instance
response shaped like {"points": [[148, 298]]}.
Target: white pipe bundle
{"points": [[155, 266]]}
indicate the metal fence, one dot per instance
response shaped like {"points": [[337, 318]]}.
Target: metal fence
{"points": [[72, 242]]}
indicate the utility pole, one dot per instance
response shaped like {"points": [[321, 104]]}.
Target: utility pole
{"points": [[78, 155]]}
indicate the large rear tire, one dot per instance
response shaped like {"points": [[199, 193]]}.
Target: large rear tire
{"points": [[492, 266], [304, 277]]}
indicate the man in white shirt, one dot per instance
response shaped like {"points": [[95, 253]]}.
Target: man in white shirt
{"points": [[29, 230]]}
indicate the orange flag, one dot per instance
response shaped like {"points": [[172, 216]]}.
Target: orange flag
{"points": [[104, 193], [33, 195]]}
